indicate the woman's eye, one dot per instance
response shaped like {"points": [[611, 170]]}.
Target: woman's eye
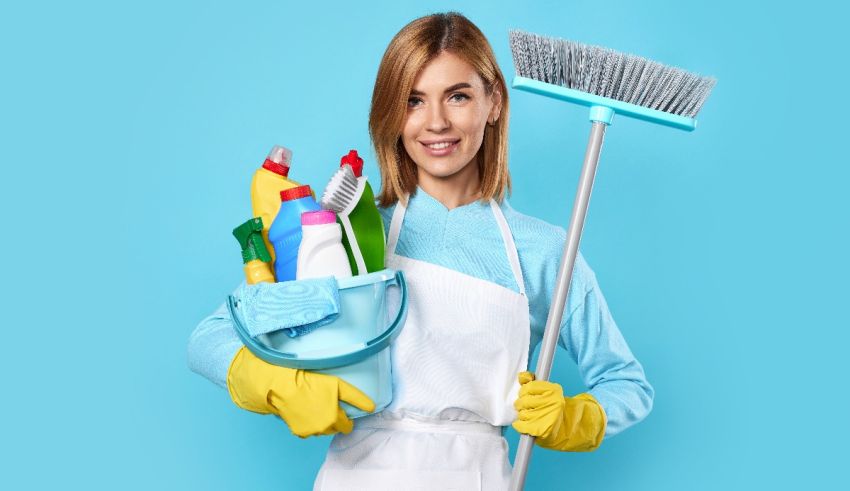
{"points": [[413, 101], [460, 96]]}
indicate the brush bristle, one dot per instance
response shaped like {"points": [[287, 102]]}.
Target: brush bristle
{"points": [[607, 73], [340, 191]]}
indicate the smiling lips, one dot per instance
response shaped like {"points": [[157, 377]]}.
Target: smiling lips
{"points": [[439, 148]]}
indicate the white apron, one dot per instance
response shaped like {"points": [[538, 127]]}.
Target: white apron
{"points": [[455, 367]]}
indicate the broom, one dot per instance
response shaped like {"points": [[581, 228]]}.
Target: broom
{"points": [[608, 83]]}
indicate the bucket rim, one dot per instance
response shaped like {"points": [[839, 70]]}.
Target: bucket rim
{"points": [[383, 275], [348, 355]]}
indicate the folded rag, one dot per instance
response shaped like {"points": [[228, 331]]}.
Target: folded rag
{"points": [[294, 307]]}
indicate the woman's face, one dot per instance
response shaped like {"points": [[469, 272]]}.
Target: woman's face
{"points": [[447, 112]]}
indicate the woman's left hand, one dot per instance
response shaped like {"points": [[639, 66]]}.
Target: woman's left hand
{"points": [[569, 424]]}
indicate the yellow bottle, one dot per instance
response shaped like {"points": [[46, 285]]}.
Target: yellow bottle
{"points": [[255, 255], [268, 182], [257, 271]]}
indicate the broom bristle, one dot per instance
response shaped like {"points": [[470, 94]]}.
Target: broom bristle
{"points": [[607, 73]]}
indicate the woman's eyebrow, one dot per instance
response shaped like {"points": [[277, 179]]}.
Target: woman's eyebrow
{"points": [[462, 85]]}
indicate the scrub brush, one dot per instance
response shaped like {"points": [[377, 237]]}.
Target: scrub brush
{"points": [[608, 83], [351, 197]]}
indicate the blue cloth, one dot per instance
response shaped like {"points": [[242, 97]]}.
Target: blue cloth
{"points": [[467, 239], [294, 307]]}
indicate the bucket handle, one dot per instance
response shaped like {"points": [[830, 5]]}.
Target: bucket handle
{"points": [[351, 355]]}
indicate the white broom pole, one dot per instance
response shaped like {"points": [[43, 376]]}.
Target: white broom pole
{"points": [[562, 286]]}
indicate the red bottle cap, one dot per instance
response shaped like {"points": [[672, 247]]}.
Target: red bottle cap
{"points": [[295, 193], [276, 168], [354, 161]]}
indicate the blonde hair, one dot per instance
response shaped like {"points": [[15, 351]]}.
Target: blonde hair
{"points": [[410, 50]]}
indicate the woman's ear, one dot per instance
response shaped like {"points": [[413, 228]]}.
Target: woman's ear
{"points": [[496, 110]]}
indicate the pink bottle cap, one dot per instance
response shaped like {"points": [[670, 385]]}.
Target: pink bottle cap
{"points": [[320, 217]]}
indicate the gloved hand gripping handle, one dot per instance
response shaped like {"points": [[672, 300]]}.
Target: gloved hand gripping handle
{"points": [[601, 119]]}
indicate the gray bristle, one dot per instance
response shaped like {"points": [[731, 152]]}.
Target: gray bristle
{"points": [[340, 191], [607, 73]]}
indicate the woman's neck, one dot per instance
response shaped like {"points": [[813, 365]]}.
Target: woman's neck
{"points": [[453, 191]]}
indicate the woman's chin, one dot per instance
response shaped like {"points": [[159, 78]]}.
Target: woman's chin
{"points": [[441, 168], [440, 172]]}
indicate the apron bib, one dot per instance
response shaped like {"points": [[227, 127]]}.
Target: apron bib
{"points": [[455, 367]]}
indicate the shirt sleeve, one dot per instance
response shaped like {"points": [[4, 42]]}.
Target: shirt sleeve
{"points": [[212, 346], [297, 306], [606, 364], [588, 332]]}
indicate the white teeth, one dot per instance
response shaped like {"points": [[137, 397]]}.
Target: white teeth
{"points": [[439, 146]]}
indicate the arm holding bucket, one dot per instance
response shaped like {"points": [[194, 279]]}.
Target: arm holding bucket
{"points": [[213, 345], [308, 402], [294, 307]]}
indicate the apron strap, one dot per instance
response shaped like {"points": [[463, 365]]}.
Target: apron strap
{"points": [[507, 238], [510, 246]]}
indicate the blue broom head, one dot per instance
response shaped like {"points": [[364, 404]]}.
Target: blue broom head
{"points": [[599, 77]]}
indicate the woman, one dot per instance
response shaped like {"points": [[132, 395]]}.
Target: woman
{"points": [[480, 277]]}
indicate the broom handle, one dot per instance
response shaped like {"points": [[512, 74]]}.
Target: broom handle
{"points": [[562, 288]]}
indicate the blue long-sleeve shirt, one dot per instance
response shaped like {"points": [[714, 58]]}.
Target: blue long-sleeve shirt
{"points": [[467, 239]]}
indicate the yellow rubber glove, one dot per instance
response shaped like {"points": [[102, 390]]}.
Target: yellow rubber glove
{"points": [[568, 424], [307, 401]]}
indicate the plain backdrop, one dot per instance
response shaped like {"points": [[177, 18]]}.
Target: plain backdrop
{"points": [[128, 135]]}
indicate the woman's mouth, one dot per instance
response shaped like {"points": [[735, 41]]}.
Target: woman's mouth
{"points": [[441, 148]]}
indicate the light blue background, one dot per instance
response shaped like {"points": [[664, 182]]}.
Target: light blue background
{"points": [[129, 134]]}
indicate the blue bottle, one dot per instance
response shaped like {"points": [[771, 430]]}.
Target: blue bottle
{"points": [[285, 232]]}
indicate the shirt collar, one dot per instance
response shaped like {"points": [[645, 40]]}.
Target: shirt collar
{"points": [[421, 199]]}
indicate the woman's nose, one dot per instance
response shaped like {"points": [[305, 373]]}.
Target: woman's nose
{"points": [[437, 120]]}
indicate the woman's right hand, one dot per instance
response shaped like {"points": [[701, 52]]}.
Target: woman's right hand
{"points": [[307, 401]]}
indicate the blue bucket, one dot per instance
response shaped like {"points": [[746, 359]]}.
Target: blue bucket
{"points": [[354, 347]]}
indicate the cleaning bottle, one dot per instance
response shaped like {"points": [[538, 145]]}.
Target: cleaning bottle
{"points": [[321, 253], [285, 232], [255, 256], [269, 180], [350, 195]]}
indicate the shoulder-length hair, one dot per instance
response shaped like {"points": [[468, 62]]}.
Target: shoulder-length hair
{"points": [[410, 50]]}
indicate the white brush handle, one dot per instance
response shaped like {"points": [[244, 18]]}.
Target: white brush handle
{"points": [[349, 230], [562, 288], [352, 242]]}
